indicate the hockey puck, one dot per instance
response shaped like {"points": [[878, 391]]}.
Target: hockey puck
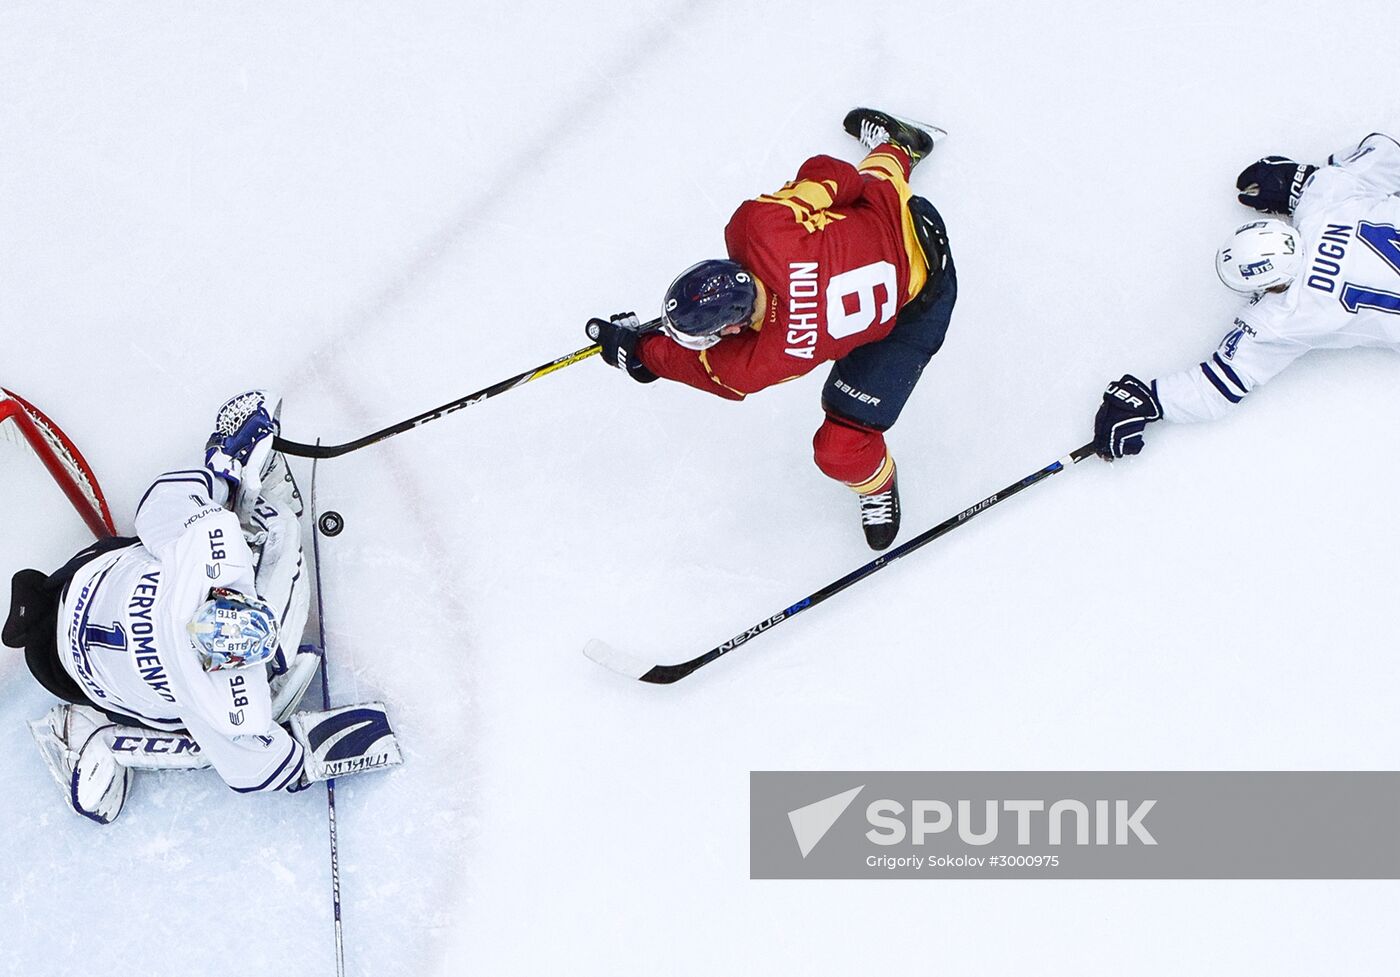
{"points": [[331, 523]]}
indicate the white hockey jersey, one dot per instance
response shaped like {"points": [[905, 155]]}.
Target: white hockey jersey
{"points": [[122, 633], [1348, 293]]}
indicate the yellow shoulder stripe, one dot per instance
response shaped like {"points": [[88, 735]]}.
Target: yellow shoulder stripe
{"points": [[808, 200], [705, 362]]}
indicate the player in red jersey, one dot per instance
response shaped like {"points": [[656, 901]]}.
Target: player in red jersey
{"points": [[842, 264]]}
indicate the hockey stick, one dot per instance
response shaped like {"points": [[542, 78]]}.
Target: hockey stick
{"points": [[633, 667], [326, 704], [319, 450]]}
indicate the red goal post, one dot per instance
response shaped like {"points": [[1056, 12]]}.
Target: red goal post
{"points": [[25, 425]]}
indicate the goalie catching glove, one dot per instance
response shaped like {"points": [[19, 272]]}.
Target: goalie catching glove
{"points": [[240, 449]]}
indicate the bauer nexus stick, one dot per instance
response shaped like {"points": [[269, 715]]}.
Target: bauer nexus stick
{"points": [[633, 667], [319, 450]]}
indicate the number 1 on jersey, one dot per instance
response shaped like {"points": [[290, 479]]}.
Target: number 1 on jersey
{"points": [[100, 637]]}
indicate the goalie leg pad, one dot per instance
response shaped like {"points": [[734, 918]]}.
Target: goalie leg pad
{"points": [[149, 749], [289, 686], [347, 740], [75, 743], [280, 488], [282, 579]]}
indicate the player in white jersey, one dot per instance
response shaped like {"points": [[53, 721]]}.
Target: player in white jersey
{"points": [[1330, 279], [190, 628]]}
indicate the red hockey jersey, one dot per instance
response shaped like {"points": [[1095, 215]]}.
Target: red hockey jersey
{"points": [[837, 253]]}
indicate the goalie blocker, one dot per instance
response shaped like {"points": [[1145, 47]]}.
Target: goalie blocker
{"points": [[346, 740]]}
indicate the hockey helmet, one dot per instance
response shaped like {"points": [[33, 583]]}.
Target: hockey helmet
{"points": [[233, 630], [704, 299], [1260, 256]]}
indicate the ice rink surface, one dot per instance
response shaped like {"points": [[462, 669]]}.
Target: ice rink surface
{"points": [[375, 208]]}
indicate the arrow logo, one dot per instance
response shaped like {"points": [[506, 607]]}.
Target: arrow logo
{"points": [[811, 823]]}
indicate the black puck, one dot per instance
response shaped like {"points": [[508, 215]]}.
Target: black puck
{"points": [[331, 523]]}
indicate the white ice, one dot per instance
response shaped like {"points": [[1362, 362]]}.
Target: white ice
{"points": [[375, 208]]}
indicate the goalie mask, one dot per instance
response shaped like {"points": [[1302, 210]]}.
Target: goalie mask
{"points": [[232, 630], [1260, 256]]}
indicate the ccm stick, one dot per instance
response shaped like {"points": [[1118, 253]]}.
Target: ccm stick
{"points": [[319, 450], [633, 667]]}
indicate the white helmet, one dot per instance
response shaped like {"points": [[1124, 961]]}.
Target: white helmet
{"points": [[1260, 255]]}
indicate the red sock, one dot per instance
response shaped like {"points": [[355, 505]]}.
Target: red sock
{"points": [[853, 455]]}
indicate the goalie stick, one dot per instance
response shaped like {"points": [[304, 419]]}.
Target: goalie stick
{"points": [[633, 667], [326, 704], [319, 450]]}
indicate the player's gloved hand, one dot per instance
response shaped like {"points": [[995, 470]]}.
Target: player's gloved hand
{"points": [[1129, 405], [618, 336], [1273, 184], [240, 449]]}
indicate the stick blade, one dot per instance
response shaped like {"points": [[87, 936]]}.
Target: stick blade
{"points": [[299, 450], [618, 661]]}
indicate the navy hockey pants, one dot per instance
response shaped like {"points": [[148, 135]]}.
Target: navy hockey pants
{"points": [[871, 384]]}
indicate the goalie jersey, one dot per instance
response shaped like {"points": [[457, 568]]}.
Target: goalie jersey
{"points": [[122, 633], [1347, 293]]}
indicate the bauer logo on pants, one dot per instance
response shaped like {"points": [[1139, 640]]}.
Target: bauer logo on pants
{"points": [[1074, 825]]}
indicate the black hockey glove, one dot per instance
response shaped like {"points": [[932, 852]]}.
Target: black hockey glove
{"points": [[618, 336], [1273, 184], [1129, 405]]}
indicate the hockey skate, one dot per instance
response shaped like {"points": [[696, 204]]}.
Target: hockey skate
{"points": [[873, 127], [879, 514]]}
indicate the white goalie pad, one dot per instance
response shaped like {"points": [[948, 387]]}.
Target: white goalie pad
{"points": [[289, 686], [73, 742], [347, 740], [339, 733], [148, 749], [282, 581]]}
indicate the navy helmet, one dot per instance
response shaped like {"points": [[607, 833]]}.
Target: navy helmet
{"points": [[705, 298]]}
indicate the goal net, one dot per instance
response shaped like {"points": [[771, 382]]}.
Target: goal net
{"points": [[25, 426]]}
